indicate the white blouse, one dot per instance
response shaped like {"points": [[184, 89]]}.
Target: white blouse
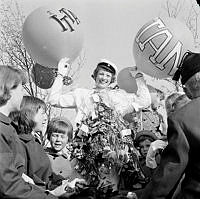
{"points": [[83, 100]]}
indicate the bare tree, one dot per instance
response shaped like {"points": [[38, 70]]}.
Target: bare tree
{"points": [[173, 9], [12, 50], [188, 11]]}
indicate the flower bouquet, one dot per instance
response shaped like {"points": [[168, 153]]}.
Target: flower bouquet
{"points": [[102, 152]]}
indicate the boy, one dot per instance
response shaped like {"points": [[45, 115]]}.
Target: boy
{"points": [[143, 141], [59, 133]]}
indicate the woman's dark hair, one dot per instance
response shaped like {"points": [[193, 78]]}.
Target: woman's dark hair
{"points": [[60, 125], [32, 103], [10, 78], [24, 120]]}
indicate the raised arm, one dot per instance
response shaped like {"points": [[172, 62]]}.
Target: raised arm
{"points": [[56, 96], [143, 97]]}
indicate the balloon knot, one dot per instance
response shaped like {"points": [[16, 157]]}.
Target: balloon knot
{"points": [[67, 80]]}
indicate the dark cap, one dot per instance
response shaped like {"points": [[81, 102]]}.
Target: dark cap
{"points": [[144, 134], [190, 66], [107, 65]]}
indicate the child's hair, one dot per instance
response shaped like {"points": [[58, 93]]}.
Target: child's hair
{"points": [[24, 120], [169, 102], [60, 125], [32, 103], [180, 101], [10, 78], [160, 93], [144, 135]]}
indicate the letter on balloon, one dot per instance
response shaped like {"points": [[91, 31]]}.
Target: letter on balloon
{"points": [[66, 20], [176, 51]]}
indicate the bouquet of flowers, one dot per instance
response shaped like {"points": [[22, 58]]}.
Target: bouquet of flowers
{"points": [[102, 152]]}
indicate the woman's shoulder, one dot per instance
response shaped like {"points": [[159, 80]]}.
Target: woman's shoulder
{"points": [[82, 90], [120, 93], [26, 137]]}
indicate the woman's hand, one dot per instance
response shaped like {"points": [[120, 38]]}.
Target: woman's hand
{"points": [[63, 66], [135, 73]]}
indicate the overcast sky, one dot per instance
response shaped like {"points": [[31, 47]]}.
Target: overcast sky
{"points": [[109, 28]]}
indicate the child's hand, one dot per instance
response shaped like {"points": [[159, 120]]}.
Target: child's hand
{"points": [[27, 179], [131, 195], [80, 185], [73, 183], [60, 190], [63, 66]]}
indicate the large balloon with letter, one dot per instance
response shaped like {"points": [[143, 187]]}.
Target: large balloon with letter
{"points": [[126, 81], [160, 45], [42, 76], [52, 33]]}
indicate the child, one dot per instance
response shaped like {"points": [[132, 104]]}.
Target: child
{"points": [[151, 118], [143, 141], [60, 133], [37, 163], [39, 108]]}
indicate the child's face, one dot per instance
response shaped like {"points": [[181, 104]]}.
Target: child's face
{"points": [[155, 100], [41, 120], [144, 147], [58, 141]]}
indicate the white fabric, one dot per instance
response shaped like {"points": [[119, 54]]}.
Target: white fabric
{"points": [[150, 158], [83, 100], [112, 64]]}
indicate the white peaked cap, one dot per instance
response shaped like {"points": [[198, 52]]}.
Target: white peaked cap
{"points": [[109, 64]]}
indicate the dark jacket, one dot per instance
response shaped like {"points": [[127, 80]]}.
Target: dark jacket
{"points": [[180, 156], [61, 165], [12, 166], [38, 165]]}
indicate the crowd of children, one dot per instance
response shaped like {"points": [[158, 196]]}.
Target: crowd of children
{"points": [[128, 158], [49, 166]]}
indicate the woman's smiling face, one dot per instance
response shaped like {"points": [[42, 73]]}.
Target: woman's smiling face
{"points": [[103, 78]]}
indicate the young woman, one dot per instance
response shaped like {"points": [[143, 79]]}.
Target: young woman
{"points": [[28, 120], [12, 162], [84, 100], [101, 106]]}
